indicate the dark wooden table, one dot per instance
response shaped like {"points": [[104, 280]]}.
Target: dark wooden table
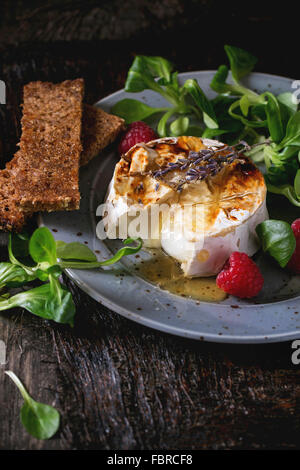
{"points": [[119, 385]]}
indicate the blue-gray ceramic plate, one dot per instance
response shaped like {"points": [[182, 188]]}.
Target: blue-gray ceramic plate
{"points": [[273, 316]]}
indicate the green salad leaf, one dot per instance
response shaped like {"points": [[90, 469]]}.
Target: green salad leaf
{"points": [[74, 250], [241, 62], [157, 66], [143, 73], [12, 275], [218, 83], [40, 420], [50, 301], [286, 190], [179, 126], [42, 247], [274, 119], [125, 251], [287, 106], [292, 135], [297, 184], [193, 88], [134, 110], [278, 239]]}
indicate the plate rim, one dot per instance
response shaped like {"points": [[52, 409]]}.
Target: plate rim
{"points": [[171, 329]]}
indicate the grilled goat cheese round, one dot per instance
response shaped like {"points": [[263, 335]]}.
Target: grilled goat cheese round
{"points": [[196, 198]]}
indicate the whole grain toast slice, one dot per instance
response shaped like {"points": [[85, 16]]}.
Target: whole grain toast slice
{"points": [[47, 165], [99, 129]]}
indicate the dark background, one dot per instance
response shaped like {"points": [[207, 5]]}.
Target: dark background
{"points": [[116, 384]]}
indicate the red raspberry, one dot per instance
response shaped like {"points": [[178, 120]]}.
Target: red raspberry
{"points": [[136, 132], [240, 276], [296, 227], [294, 263]]}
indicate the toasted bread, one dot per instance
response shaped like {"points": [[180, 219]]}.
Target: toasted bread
{"points": [[99, 129], [46, 172]]}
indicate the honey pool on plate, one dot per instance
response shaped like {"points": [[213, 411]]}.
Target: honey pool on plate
{"points": [[165, 272]]}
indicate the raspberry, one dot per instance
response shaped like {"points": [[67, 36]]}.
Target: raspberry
{"points": [[296, 227], [136, 132], [294, 263], [240, 276]]}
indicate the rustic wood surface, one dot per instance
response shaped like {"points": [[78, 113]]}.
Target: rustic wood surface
{"points": [[119, 385]]}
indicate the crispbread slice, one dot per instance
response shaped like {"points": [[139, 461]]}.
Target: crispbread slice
{"points": [[99, 129], [46, 172]]}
